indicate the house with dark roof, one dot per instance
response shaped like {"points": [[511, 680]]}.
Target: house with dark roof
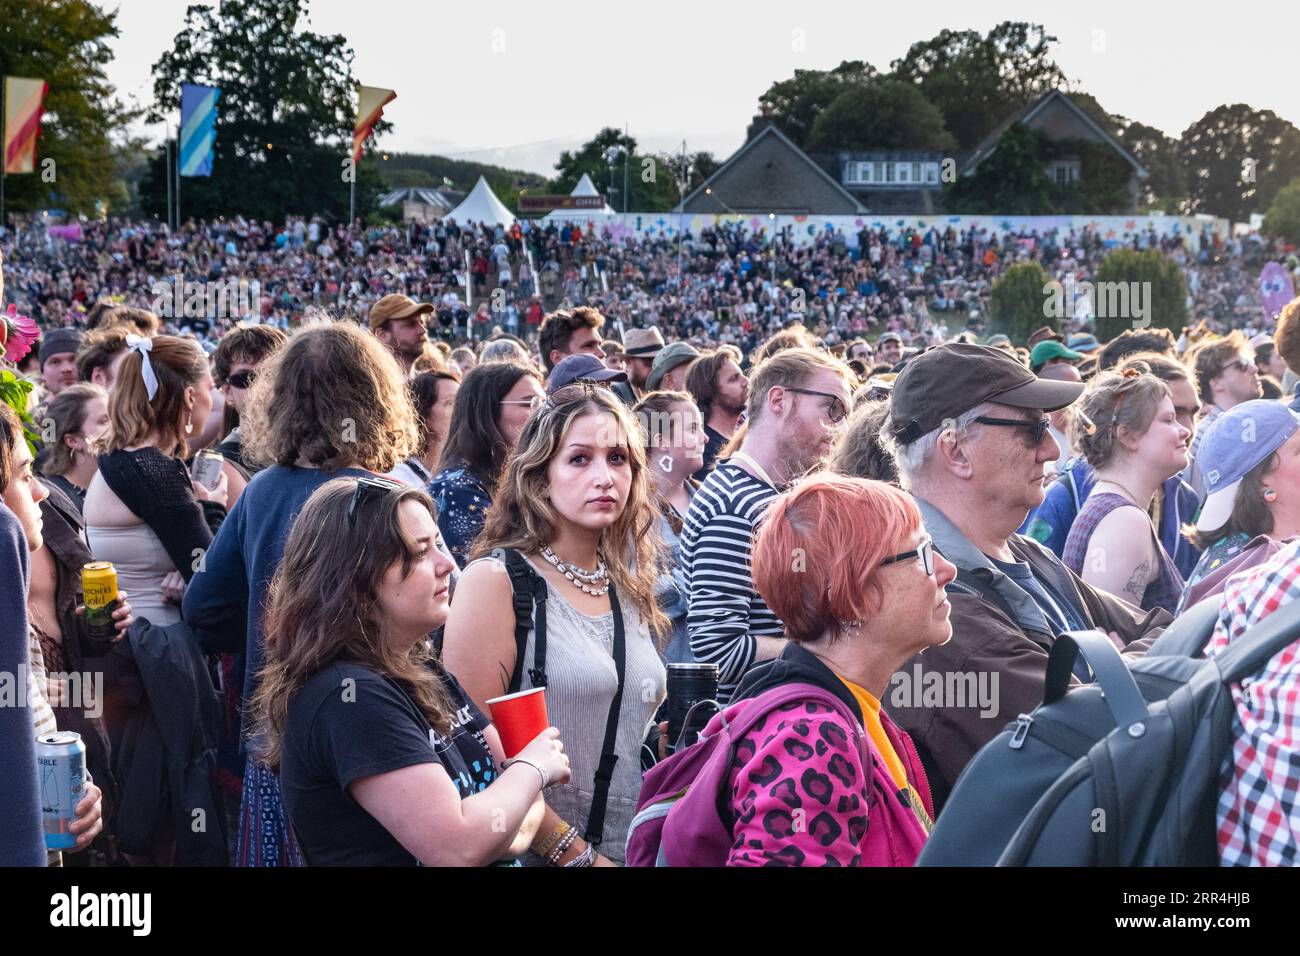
{"points": [[770, 174]]}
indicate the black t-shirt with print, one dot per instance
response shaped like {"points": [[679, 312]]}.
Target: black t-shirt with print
{"points": [[349, 722]]}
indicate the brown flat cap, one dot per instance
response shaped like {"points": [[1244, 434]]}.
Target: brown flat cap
{"points": [[397, 306]]}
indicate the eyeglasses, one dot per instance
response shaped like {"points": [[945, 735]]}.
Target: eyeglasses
{"points": [[1038, 425], [925, 552], [1241, 365], [242, 378], [837, 412], [533, 402], [368, 488]]}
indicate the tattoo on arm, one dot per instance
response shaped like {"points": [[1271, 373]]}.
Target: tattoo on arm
{"points": [[1137, 583]]}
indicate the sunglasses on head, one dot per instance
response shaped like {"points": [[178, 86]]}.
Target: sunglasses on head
{"points": [[242, 378], [368, 488]]}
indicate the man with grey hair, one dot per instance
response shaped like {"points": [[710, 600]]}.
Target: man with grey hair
{"points": [[968, 431]]}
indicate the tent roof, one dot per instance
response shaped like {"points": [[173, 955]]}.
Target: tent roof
{"points": [[585, 187], [482, 205], [430, 197]]}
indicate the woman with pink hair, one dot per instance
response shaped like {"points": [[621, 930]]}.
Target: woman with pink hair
{"points": [[828, 779]]}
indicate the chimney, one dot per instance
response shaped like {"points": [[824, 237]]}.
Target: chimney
{"points": [[760, 122]]}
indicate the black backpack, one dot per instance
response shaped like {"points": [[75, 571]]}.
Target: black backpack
{"points": [[1123, 771]]}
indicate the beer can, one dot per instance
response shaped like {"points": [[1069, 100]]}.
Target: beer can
{"points": [[688, 685], [99, 591], [206, 468], [61, 764]]}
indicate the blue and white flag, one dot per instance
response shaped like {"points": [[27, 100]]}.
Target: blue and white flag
{"points": [[198, 128]]}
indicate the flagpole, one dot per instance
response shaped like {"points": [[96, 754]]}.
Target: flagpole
{"points": [[178, 179], [352, 199], [4, 150], [167, 173]]}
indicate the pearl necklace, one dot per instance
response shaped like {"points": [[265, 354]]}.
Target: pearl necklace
{"points": [[595, 583]]}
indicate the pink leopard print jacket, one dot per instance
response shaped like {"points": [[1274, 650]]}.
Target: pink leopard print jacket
{"points": [[809, 790]]}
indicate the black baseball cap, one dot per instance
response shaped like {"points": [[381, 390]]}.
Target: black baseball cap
{"points": [[948, 381]]}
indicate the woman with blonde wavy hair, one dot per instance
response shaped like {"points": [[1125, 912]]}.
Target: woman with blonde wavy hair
{"points": [[330, 403], [573, 521]]}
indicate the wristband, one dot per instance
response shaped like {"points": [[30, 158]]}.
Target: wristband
{"points": [[547, 845], [586, 858]]}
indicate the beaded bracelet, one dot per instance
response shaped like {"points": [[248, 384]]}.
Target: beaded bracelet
{"points": [[566, 841]]}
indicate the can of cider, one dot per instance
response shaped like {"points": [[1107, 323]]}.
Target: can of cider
{"points": [[99, 588]]}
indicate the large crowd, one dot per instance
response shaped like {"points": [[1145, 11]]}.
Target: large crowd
{"points": [[728, 284], [691, 477]]}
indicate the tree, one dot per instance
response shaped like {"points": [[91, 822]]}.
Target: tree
{"points": [[284, 120], [1165, 186], [1282, 221], [651, 178], [1011, 182], [1156, 293], [1236, 159], [794, 104], [978, 82], [65, 43], [884, 114], [1017, 303]]}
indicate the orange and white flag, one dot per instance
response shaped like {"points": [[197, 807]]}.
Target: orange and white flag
{"points": [[370, 107], [24, 103]]}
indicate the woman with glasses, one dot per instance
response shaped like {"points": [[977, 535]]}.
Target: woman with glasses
{"points": [[80, 417], [331, 403], [492, 405], [1127, 429], [573, 512], [826, 778], [400, 767]]}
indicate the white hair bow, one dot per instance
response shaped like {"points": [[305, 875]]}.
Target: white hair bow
{"points": [[144, 346]]}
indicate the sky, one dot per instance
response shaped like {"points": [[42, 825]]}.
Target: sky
{"points": [[514, 83]]}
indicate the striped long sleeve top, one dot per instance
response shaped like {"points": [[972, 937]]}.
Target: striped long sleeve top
{"points": [[725, 613]]}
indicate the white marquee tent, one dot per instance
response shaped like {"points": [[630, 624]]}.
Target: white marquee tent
{"points": [[482, 205], [585, 187]]}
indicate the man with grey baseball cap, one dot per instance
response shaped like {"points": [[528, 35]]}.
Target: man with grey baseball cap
{"points": [[973, 445]]}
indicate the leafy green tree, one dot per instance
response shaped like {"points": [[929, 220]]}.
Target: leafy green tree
{"points": [[1282, 220], [1011, 182], [1164, 187], [794, 104], [1017, 303], [284, 120], [1236, 159], [1161, 290], [883, 114], [978, 81], [65, 43], [651, 177]]}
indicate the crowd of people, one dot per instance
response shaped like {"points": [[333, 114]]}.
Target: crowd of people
{"points": [[729, 284], [404, 528]]}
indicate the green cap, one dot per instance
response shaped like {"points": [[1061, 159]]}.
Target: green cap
{"points": [[1048, 350]]}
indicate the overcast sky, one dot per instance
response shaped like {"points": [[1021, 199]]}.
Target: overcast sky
{"points": [[514, 83]]}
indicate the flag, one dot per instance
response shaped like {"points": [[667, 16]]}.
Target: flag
{"points": [[370, 106], [24, 100], [198, 128], [1275, 288]]}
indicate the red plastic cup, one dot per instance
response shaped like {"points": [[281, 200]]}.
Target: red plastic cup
{"points": [[519, 718]]}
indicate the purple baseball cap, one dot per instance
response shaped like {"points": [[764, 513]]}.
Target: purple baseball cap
{"points": [[1237, 441]]}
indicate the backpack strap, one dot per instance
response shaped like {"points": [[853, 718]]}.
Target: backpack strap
{"points": [[1122, 695], [528, 590], [608, 758]]}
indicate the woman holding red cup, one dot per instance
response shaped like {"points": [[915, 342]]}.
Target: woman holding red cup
{"points": [[383, 759]]}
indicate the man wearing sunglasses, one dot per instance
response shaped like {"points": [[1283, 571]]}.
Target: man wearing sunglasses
{"points": [[973, 444], [1226, 376]]}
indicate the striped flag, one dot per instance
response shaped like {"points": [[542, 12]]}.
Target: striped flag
{"points": [[370, 107], [24, 101], [198, 128]]}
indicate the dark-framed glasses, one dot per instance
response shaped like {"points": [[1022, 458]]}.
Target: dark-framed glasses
{"points": [[368, 488], [925, 552], [837, 411], [1038, 426]]}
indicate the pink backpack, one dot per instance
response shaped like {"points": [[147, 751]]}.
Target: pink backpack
{"points": [[677, 821]]}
